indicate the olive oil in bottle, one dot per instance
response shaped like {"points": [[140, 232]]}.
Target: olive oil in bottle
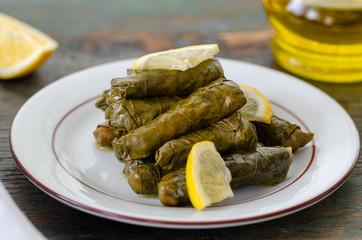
{"points": [[318, 39]]}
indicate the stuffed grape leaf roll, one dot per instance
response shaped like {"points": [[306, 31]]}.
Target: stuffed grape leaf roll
{"points": [[101, 101], [150, 83], [133, 113], [264, 166], [282, 133], [113, 95], [172, 190], [206, 105], [105, 133], [143, 177], [234, 133]]}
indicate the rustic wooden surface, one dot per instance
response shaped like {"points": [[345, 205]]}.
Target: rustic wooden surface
{"points": [[94, 32]]}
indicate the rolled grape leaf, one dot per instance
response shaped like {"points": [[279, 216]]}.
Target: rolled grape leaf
{"points": [[101, 101], [113, 95], [282, 133], [265, 166], [234, 133], [143, 177], [104, 134], [151, 83], [207, 105], [133, 113], [130, 165], [172, 190]]}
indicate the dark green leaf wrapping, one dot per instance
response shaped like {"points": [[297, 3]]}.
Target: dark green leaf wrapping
{"points": [[207, 105], [113, 95], [143, 177], [282, 133], [234, 133], [150, 83], [133, 113], [172, 189], [130, 165], [104, 134], [265, 166], [101, 101]]}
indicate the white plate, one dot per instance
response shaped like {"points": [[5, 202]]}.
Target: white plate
{"points": [[51, 140]]}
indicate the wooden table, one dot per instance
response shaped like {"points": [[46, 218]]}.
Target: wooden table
{"points": [[94, 32]]}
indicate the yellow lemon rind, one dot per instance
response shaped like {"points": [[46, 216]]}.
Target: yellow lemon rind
{"points": [[197, 193], [36, 59], [175, 59], [265, 111]]}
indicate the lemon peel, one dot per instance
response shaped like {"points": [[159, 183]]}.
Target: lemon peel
{"points": [[207, 177], [176, 59], [23, 48]]}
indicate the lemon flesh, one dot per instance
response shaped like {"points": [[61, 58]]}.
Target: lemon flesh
{"points": [[257, 107], [23, 48], [207, 177], [176, 59]]}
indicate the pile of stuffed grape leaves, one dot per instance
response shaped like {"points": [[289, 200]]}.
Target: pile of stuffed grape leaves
{"points": [[154, 117]]}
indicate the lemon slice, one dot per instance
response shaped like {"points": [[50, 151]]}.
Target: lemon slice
{"points": [[257, 107], [176, 59], [207, 177], [23, 48]]}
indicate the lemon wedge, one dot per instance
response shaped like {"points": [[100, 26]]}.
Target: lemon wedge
{"points": [[257, 107], [22, 48], [176, 59], [207, 177]]}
